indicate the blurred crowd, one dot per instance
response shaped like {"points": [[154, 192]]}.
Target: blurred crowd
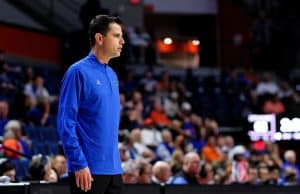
{"points": [[169, 128]]}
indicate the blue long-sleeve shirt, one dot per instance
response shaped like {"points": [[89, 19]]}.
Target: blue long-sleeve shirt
{"points": [[88, 117]]}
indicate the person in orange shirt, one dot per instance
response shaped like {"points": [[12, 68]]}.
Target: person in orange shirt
{"points": [[273, 105], [12, 143], [158, 115], [210, 152]]}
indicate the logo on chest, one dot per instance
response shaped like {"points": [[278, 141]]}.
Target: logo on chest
{"points": [[98, 82]]}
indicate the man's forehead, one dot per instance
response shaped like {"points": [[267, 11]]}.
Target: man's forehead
{"points": [[114, 27]]}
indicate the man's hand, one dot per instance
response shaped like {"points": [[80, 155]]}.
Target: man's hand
{"points": [[84, 179]]}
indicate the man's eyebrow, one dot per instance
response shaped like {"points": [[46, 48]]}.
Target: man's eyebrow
{"points": [[118, 33]]}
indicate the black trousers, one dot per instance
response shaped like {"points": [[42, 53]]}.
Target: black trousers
{"points": [[102, 184]]}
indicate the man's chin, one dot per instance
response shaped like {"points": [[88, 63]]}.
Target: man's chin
{"points": [[116, 55]]}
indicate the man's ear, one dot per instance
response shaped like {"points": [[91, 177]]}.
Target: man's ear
{"points": [[98, 38]]}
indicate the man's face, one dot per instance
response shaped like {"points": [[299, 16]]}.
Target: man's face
{"points": [[165, 174], [146, 176], [113, 41], [61, 165], [11, 174], [192, 166], [39, 81]]}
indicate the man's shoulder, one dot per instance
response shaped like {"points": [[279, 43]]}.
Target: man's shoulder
{"points": [[78, 66]]}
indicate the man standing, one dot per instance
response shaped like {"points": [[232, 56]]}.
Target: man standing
{"points": [[88, 113]]}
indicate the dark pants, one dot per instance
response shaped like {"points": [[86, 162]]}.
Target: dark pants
{"points": [[102, 184]]}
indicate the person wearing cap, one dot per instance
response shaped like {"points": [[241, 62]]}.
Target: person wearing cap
{"points": [[239, 165]]}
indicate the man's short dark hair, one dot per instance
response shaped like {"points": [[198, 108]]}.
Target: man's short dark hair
{"points": [[100, 24]]}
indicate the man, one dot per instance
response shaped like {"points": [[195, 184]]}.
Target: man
{"points": [[59, 164], [145, 173], [4, 110], [89, 111], [190, 173], [162, 173], [166, 148]]}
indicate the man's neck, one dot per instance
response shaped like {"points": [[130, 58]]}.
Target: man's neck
{"points": [[100, 55]]}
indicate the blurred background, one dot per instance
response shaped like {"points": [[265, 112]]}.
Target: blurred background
{"points": [[219, 78]]}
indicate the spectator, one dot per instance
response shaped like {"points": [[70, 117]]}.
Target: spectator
{"points": [[4, 110], [161, 173], [273, 105], [210, 151], [12, 148], [182, 144], [273, 149], [139, 151], [177, 161], [229, 142], [221, 167], [29, 75], [35, 92], [137, 103], [38, 102], [130, 173], [13, 139], [289, 98], [151, 137], [274, 175], [145, 173], [158, 115], [171, 105], [266, 86], [124, 153], [290, 170], [148, 82], [40, 169], [289, 177], [139, 40], [190, 173], [207, 175], [59, 165], [6, 81], [163, 83], [7, 171], [166, 148], [252, 176], [239, 164], [187, 117]]}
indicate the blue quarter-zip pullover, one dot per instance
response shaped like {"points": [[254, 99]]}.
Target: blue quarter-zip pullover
{"points": [[88, 117]]}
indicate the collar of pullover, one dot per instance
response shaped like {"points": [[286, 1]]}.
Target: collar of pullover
{"points": [[92, 57]]}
